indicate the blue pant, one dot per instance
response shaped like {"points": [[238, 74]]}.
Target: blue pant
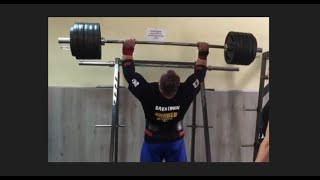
{"points": [[170, 152]]}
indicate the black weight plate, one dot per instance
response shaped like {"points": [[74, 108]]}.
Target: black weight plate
{"points": [[228, 42], [249, 46], [89, 41], [93, 41], [243, 49], [237, 49], [77, 39], [90, 44], [72, 40], [81, 54], [229, 52], [254, 48], [96, 41], [86, 45]]}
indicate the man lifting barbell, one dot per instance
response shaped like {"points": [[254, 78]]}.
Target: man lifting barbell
{"points": [[164, 103]]}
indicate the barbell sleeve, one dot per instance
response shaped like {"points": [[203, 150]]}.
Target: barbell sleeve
{"points": [[66, 40], [96, 63], [220, 68]]}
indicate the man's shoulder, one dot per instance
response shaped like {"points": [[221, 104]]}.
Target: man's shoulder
{"points": [[154, 84]]}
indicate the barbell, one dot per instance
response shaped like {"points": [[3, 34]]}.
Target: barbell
{"points": [[85, 43]]}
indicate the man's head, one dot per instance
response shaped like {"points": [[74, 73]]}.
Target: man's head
{"points": [[169, 84]]}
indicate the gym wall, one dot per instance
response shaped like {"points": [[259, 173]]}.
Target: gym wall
{"points": [[74, 112], [64, 70]]}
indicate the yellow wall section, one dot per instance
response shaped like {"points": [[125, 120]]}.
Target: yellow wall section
{"points": [[64, 70]]}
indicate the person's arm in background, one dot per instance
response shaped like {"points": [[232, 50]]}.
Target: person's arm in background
{"points": [[193, 81], [137, 84], [263, 153]]}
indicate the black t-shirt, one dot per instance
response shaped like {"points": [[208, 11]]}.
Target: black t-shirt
{"points": [[165, 114]]}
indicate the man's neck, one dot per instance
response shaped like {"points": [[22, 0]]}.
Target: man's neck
{"points": [[165, 96]]}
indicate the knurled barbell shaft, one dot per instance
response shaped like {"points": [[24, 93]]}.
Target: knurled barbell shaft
{"points": [[162, 43], [158, 64], [66, 40]]}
